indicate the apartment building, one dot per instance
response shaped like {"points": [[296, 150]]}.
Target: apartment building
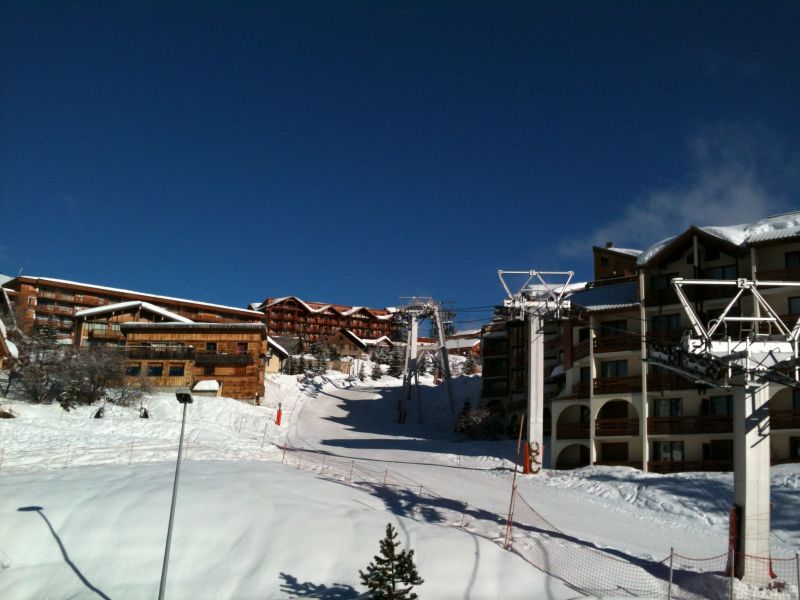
{"points": [[292, 317], [605, 404], [56, 302]]}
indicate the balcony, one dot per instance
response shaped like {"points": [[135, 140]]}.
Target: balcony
{"points": [[622, 426], [618, 385], [226, 358], [580, 350], [786, 274], [668, 381], [784, 419], [616, 343], [572, 431], [689, 425], [666, 466], [159, 353], [52, 309], [104, 334]]}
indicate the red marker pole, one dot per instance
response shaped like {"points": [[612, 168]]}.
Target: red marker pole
{"points": [[278, 415]]}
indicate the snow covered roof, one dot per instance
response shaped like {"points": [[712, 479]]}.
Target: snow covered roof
{"points": [[152, 296], [4, 278], [461, 343], [607, 297], [206, 385], [13, 352], [122, 306], [319, 307], [277, 347], [777, 227], [628, 251], [11, 348]]}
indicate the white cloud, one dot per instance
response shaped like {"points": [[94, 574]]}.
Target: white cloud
{"points": [[739, 176]]}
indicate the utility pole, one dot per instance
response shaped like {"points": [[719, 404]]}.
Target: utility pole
{"points": [[755, 367], [535, 304]]}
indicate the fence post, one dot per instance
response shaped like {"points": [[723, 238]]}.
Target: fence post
{"points": [[2, 452], [283, 458], [66, 460], [463, 512], [385, 475], [264, 437], [797, 565], [322, 470], [733, 569], [300, 461], [350, 476], [186, 452], [130, 456], [669, 589]]}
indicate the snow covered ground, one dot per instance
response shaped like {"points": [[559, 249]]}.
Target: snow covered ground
{"points": [[85, 501]]}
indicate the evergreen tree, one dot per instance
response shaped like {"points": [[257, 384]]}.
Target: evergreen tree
{"points": [[300, 346], [288, 366], [422, 363], [376, 372], [396, 364], [469, 365], [391, 575], [362, 373], [300, 367]]}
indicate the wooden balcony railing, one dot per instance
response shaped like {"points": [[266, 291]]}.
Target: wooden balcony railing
{"points": [[617, 385], [622, 426], [150, 353], [572, 431], [784, 419], [689, 424], [580, 390], [580, 349], [52, 309], [666, 466], [228, 358], [786, 274], [616, 343]]}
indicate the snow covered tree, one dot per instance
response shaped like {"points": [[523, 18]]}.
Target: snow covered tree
{"points": [[396, 364], [300, 365], [377, 373], [362, 373], [39, 371], [422, 363], [288, 366], [391, 575], [300, 346], [469, 365]]}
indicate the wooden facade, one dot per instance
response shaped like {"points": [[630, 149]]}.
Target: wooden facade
{"points": [[173, 355], [55, 302], [294, 317]]}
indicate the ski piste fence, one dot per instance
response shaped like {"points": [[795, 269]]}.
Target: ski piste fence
{"points": [[583, 566]]}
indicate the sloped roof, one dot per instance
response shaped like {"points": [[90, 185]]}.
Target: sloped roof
{"points": [[777, 227], [607, 297], [320, 307], [124, 306], [277, 347]]}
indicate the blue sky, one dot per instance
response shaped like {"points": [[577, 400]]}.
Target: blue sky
{"points": [[356, 152]]}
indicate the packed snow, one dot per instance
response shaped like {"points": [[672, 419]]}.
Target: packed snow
{"points": [[85, 500]]}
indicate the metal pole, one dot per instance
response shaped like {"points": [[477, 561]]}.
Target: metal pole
{"points": [[164, 567], [733, 569], [669, 589]]}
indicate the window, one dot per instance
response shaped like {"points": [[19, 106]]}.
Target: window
{"points": [[720, 406], [155, 369], [613, 327], [614, 368], [133, 369], [795, 399], [176, 369], [208, 370], [603, 261], [583, 334], [666, 322], [668, 451], [793, 259], [668, 407], [585, 375], [662, 281], [794, 305], [724, 272], [241, 347], [712, 253], [211, 346]]}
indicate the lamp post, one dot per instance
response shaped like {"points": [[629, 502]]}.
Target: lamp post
{"points": [[184, 398]]}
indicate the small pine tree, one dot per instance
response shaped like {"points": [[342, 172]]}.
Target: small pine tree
{"points": [[391, 575], [469, 365], [376, 372], [396, 364], [362, 373], [422, 364], [288, 366], [300, 367]]}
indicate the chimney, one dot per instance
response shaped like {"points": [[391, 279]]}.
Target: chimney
{"points": [[609, 244]]}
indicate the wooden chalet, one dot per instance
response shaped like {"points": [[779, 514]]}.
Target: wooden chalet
{"points": [[179, 354], [291, 316]]}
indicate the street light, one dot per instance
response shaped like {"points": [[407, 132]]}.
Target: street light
{"points": [[184, 398]]}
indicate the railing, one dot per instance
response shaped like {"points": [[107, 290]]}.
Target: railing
{"points": [[622, 426], [616, 343], [667, 466], [617, 385], [668, 381], [159, 353], [784, 419], [572, 431], [581, 390], [580, 349], [104, 333], [786, 274], [689, 424], [216, 358], [55, 310]]}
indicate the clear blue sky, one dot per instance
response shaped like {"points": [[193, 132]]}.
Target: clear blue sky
{"points": [[356, 152]]}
